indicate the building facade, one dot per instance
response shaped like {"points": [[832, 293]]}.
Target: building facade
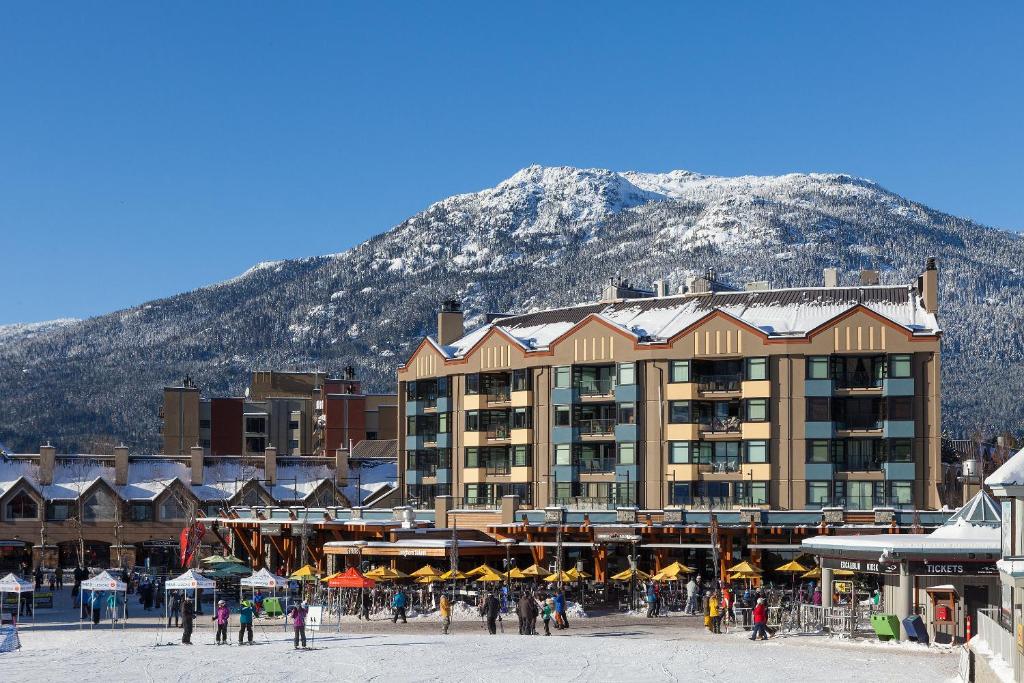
{"points": [[802, 398], [299, 413]]}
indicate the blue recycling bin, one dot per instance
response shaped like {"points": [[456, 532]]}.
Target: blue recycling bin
{"points": [[916, 630]]}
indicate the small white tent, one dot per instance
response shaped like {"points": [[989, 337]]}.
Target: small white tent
{"points": [[263, 580], [105, 582], [189, 581], [13, 584]]}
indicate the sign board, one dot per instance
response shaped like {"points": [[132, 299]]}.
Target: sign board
{"points": [[158, 543], [270, 529], [314, 617], [842, 586], [952, 568], [863, 566]]}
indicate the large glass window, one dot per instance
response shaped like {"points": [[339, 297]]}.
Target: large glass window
{"points": [[60, 511], [679, 412], [679, 452], [757, 410], [900, 408], [522, 418], [442, 423], [818, 452], [818, 494], [522, 380], [140, 512], [627, 413], [680, 493], [98, 505], [750, 493], [901, 493], [899, 366], [473, 384], [22, 506], [679, 371], [171, 509], [818, 409], [757, 368], [627, 453], [627, 373], [522, 456], [256, 425], [563, 416], [756, 451], [562, 376], [817, 367], [901, 450], [563, 454]]}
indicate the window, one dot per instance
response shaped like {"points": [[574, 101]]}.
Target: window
{"points": [[679, 452], [472, 457], [899, 366], [679, 412], [757, 410], [98, 505], [818, 452], [901, 493], [522, 418], [472, 420], [757, 368], [472, 384], [140, 512], [255, 444], [857, 454], [293, 444], [627, 453], [751, 493], [900, 408], [819, 409], [59, 511], [627, 413], [680, 493], [293, 424], [563, 416], [563, 454], [817, 367], [679, 371], [563, 377], [22, 506], [756, 451], [627, 373], [818, 494], [725, 455], [170, 509], [442, 423], [901, 450], [204, 424], [256, 425], [522, 380], [565, 491], [521, 456], [624, 494]]}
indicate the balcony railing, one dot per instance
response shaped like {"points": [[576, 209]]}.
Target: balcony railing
{"points": [[601, 427], [596, 387], [993, 629], [597, 465], [498, 466], [719, 383], [722, 465], [476, 503], [499, 394], [711, 503], [592, 503], [720, 424], [856, 380], [498, 432], [859, 463], [858, 423]]}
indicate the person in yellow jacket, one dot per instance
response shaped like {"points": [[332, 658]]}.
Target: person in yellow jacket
{"points": [[713, 611], [446, 614]]}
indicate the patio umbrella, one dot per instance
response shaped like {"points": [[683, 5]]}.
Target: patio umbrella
{"points": [[482, 569], [489, 577], [426, 570], [535, 571], [576, 574], [385, 574], [232, 569], [792, 567], [306, 573], [565, 577], [673, 570], [232, 558], [515, 573], [427, 579], [744, 568], [816, 573], [213, 559], [451, 575], [629, 574], [330, 576]]}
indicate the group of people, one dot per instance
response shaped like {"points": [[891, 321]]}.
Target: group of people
{"points": [[528, 609]]}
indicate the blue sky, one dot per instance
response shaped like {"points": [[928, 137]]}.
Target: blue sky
{"points": [[150, 148]]}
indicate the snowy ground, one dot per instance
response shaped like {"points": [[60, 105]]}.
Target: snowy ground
{"points": [[618, 648]]}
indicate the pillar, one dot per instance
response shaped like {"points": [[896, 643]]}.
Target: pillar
{"points": [[826, 587], [509, 507], [600, 563], [904, 603], [442, 505]]}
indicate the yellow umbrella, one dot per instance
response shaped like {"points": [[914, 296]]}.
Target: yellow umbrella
{"points": [[426, 570], [330, 576], [665, 576], [427, 579], [515, 573], [564, 576], [629, 574], [673, 570], [489, 577], [453, 576], [816, 573], [744, 568], [534, 571], [794, 567], [306, 573], [482, 569], [386, 574], [744, 575], [576, 574]]}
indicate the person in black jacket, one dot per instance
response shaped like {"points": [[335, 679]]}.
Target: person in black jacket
{"points": [[524, 613], [490, 610], [367, 603], [175, 610], [188, 616]]}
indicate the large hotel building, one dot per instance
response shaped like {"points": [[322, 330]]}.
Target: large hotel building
{"points": [[802, 398]]}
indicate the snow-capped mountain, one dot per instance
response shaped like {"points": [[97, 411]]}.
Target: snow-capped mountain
{"points": [[543, 237]]}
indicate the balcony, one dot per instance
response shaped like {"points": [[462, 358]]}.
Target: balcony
{"points": [[596, 465], [720, 425], [722, 466], [859, 423], [856, 380], [498, 467], [711, 503], [719, 384], [596, 427], [593, 388], [499, 394], [499, 432]]}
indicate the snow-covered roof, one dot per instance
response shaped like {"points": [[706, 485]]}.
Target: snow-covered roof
{"points": [[1010, 473], [297, 482], [777, 313], [980, 510]]}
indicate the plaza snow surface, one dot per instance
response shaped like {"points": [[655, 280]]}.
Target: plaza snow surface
{"points": [[616, 652]]}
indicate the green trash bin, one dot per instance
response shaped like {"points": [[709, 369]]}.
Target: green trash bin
{"points": [[887, 626]]}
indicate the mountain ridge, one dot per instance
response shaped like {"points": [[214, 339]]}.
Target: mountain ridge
{"points": [[544, 237]]}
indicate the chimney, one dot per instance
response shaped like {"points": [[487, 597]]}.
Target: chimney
{"points": [[831, 276], [196, 465], [47, 460], [121, 465], [659, 288], [270, 465], [449, 323], [757, 286], [341, 466], [868, 278], [928, 286]]}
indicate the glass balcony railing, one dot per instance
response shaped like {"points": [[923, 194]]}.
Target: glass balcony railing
{"points": [[597, 464], [498, 432], [720, 424], [596, 387], [719, 383], [499, 394], [599, 427]]}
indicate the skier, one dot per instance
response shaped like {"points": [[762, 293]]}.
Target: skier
{"points": [[298, 615], [398, 605], [258, 599], [446, 614], [221, 616], [112, 606], [175, 611], [490, 610], [534, 613], [561, 619], [245, 621], [691, 597], [188, 616], [367, 603], [760, 621], [549, 607], [524, 610], [95, 606], [652, 600]]}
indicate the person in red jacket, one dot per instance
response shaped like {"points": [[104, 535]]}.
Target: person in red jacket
{"points": [[760, 621]]}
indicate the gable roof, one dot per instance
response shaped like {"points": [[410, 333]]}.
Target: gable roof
{"points": [[375, 449]]}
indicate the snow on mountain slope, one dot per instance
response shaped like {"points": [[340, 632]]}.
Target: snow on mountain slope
{"points": [[544, 237]]}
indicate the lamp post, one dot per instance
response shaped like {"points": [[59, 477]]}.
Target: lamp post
{"points": [[359, 547]]}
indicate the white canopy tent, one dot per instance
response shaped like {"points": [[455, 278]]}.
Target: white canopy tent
{"points": [[13, 584], [105, 582], [264, 579], [189, 581]]}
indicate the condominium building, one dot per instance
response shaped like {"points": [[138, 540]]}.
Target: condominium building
{"points": [[796, 398], [299, 413]]}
